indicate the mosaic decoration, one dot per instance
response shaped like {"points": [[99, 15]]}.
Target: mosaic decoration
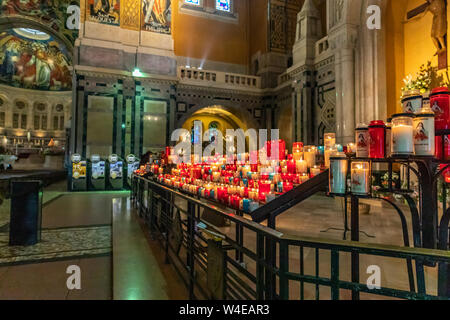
{"points": [[58, 244], [130, 14], [195, 2], [157, 16], [223, 5], [53, 14], [104, 11], [39, 63]]}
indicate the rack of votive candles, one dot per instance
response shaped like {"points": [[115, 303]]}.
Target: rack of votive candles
{"points": [[243, 184]]}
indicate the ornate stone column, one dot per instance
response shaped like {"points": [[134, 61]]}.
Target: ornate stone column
{"points": [[343, 43]]}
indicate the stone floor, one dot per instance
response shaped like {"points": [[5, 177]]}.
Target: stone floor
{"points": [[78, 229]]}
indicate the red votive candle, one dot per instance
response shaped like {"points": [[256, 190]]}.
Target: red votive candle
{"points": [[264, 186], [377, 133], [291, 167], [439, 103], [445, 148], [287, 186]]}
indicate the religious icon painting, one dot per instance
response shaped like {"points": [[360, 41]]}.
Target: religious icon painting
{"points": [[104, 11], [157, 16]]}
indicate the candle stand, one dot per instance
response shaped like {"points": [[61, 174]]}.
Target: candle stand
{"points": [[428, 231]]}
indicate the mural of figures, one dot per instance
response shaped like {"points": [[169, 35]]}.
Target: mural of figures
{"points": [[33, 64], [104, 11], [157, 16], [52, 13]]}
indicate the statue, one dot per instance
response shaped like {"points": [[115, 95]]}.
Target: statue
{"points": [[439, 29]]}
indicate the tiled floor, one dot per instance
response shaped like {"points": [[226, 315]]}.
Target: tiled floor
{"points": [[77, 230], [47, 281], [139, 269]]}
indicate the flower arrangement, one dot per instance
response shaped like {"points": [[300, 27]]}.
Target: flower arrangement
{"points": [[426, 79]]}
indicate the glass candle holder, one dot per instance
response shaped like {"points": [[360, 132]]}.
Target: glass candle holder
{"points": [[302, 166], [291, 167], [315, 171], [424, 134], [412, 101], [297, 145], [338, 174], [402, 142], [362, 141], [309, 155], [439, 102], [377, 133], [360, 178], [329, 140], [351, 148], [297, 154], [329, 151]]}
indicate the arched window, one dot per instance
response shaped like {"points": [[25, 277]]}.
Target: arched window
{"points": [[193, 2], [214, 133], [58, 117], [40, 116], [20, 115], [196, 131]]}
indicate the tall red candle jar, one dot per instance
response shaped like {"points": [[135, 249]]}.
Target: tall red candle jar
{"points": [[291, 167], [377, 133], [439, 102], [297, 145], [442, 148]]}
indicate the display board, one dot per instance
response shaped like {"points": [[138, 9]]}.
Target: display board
{"points": [[98, 170], [116, 170], [79, 170]]}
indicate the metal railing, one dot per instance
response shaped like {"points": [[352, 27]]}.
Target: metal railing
{"points": [[222, 255]]}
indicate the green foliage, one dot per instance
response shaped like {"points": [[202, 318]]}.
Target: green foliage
{"points": [[426, 79]]}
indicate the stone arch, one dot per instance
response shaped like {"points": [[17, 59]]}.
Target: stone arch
{"points": [[240, 113]]}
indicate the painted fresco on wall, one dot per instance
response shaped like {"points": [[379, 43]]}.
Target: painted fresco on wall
{"points": [[33, 64], [157, 16], [52, 13], [104, 11]]}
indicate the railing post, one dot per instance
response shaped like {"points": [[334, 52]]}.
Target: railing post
{"points": [[190, 253], [260, 267], [355, 237], [334, 275], [284, 269], [270, 275]]}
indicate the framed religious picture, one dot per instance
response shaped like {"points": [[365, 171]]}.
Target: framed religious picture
{"points": [[104, 11], [157, 16]]}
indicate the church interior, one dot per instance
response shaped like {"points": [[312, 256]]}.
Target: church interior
{"points": [[92, 91]]}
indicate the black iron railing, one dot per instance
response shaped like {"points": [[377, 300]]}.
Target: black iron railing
{"points": [[235, 258]]}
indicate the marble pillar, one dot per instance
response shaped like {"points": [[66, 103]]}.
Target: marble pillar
{"points": [[343, 43]]}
